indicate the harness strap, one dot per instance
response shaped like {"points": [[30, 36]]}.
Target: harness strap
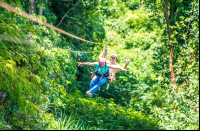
{"points": [[105, 69]]}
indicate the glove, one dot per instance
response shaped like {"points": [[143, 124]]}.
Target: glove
{"points": [[127, 61], [105, 50]]}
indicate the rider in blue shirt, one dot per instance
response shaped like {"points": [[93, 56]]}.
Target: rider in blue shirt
{"points": [[101, 74]]}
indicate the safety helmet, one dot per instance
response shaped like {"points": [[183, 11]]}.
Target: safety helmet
{"points": [[114, 55], [101, 60]]}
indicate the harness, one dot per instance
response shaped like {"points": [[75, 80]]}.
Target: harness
{"points": [[104, 74], [97, 71]]}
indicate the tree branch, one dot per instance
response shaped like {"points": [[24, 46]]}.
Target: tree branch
{"points": [[68, 12]]}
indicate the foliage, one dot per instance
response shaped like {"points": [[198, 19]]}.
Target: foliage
{"points": [[44, 89]]}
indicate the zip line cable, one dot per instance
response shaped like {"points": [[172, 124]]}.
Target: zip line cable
{"points": [[24, 14]]}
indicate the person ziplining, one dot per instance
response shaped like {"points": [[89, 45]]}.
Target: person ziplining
{"points": [[101, 74], [105, 71], [113, 61]]}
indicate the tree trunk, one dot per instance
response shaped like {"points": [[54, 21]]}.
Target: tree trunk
{"points": [[41, 9], [31, 7], [170, 32], [142, 2]]}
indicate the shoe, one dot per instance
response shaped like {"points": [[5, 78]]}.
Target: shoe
{"points": [[89, 94]]}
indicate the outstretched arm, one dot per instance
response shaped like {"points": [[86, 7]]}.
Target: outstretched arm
{"points": [[86, 63], [117, 67], [127, 62], [123, 69]]}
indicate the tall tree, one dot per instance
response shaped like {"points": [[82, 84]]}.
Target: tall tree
{"points": [[179, 19], [170, 22], [32, 7]]}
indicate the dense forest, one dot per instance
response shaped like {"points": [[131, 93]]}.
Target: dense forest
{"points": [[43, 88]]}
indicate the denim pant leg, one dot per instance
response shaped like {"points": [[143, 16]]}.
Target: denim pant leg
{"points": [[97, 85], [94, 81]]}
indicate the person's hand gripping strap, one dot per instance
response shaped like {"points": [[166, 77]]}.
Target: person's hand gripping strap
{"points": [[105, 51]]}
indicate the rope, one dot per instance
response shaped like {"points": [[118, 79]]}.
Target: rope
{"points": [[24, 14]]}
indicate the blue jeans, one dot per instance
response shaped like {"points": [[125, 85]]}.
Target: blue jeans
{"points": [[95, 83]]}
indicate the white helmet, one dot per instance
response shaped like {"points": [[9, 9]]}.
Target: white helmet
{"points": [[114, 55]]}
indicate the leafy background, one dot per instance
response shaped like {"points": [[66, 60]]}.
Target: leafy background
{"points": [[42, 88]]}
